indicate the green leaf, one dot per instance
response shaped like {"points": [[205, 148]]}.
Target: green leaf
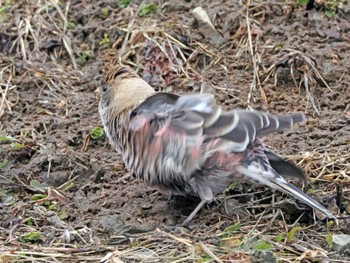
{"points": [[28, 221], [3, 9], [41, 187], [329, 240], [63, 214], [233, 185], [330, 13], [17, 145], [104, 41], [311, 191], [85, 56], [4, 138], [153, 7], [330, 224], [38, 196], [279, 237], [279, 45], [41, 110], [230, 230], [205, 259], [67, 185], [292, 232], [104, 13], [4, 192], [71, 25], [7, 199], [148, 9], [23, 256], [3, 164], [96, 133], [262, 245], [30, 237], [52, 207], [233, 228], [123, 3], [302, 2]]}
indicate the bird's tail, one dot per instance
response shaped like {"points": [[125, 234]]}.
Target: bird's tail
{"points": [[270, 178], [290, 189]]}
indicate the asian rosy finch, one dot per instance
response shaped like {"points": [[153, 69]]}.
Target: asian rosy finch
{"points": [[187, 145]]}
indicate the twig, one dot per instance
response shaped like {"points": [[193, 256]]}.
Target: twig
{"points": [[210, 253], [130, 26], [256, 79]]}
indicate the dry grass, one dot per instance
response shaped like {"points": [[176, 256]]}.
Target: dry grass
{"points": [[305, 65]]}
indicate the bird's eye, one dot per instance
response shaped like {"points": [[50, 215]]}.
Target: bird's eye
{"points": [[104, 88]]}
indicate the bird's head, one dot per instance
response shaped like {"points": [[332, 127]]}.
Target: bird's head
{"points": [[121, 89]]}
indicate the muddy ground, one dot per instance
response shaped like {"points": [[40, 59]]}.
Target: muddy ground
{"points": [[65, 196]]}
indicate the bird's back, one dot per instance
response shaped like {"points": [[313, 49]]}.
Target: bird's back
{"points": [[175, 142]]}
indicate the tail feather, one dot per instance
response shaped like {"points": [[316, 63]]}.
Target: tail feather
{"points": [[290, 189], [256, 174]]}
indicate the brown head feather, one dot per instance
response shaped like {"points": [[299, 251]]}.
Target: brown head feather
{"points": [[121, 88], [118, 71]]}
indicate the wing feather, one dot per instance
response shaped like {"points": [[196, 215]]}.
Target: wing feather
{"points": [[198, 115], [182, 127]]}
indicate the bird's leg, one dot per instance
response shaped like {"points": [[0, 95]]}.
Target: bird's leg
{"points": [[194, 212]]}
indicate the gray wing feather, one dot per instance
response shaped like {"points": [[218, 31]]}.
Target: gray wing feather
{"points": [[197, 102], [198, 115], [284, 168], [222, 126], [281, 122]]}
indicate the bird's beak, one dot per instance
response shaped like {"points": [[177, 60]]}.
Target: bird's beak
{"points": [[98, 93]]}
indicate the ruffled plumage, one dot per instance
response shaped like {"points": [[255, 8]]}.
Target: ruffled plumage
{"points": [[187, 145]]}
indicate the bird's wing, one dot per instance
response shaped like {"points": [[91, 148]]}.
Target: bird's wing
{"points": [[183, 123], [198, 114], [283, 167]]}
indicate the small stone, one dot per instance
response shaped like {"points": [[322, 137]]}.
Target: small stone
{"points": [[232, 206], [181, 230], [341, 243], [175, 7], [263, 256], [147, 206], [206, 27]]}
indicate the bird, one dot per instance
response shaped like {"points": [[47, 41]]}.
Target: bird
{"points": [[187, 145]]}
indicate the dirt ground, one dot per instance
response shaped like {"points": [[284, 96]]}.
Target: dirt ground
{"points": [[65, 196]]}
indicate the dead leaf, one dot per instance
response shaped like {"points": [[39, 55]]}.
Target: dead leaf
{"points": [[309, 254], [236, 258], [53, 194]]}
